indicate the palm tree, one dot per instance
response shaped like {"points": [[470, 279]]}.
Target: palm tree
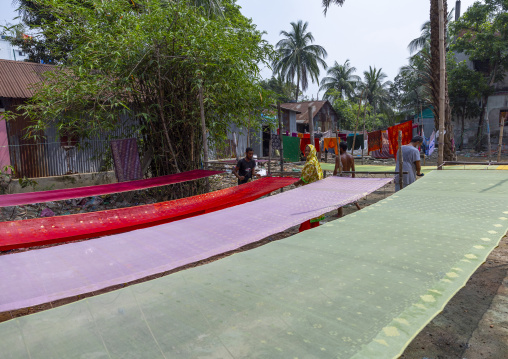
{"points": [[424, 39], [376, 90], [341, 79], [327, 3], [298, 57]]}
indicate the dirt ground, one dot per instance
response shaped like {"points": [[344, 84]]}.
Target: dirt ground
{"points": [[473, 325]]}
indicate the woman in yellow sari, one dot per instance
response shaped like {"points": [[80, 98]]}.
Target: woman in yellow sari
{"points": [[311, 172]]}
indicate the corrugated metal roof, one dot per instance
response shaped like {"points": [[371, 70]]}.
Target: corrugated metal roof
{"points": [[17, 77], [303, 109]]}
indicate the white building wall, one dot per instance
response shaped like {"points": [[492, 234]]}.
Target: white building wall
{"points": [[292, 122], [8, 52]]}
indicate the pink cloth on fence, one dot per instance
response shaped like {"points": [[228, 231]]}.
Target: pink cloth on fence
{"points": [[45, 275], [18, 199], [126, 159]]}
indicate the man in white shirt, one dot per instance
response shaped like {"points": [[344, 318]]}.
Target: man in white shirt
{"points": [[411, 163]]}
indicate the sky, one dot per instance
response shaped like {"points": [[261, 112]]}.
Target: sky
{"points": [[367, 32]]}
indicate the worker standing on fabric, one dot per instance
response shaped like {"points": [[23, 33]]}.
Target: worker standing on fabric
{"points": [[245, 168], [311, 172], [348, 165], [411, 163]]}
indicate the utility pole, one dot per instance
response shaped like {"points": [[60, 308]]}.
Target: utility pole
{"points": [[442, 84], [311, 127]]}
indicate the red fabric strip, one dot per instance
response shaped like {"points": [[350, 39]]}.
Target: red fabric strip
{"points": [[41, 231], [393, 135], [62, 194]]}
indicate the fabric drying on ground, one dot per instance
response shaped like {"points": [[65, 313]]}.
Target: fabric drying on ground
{"points": [[371, 168], [425, 169], [18, 199], [41, 231], [44, 275], [359, 287]]}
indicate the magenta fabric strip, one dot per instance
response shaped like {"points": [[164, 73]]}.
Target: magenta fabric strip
{"points": [[62, 194], [41, 276]]}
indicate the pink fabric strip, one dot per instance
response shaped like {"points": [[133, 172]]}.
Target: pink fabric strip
{"points": [[62, 194], [41, 276]]}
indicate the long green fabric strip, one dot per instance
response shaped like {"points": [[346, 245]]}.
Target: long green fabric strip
{"points": [[359, 287]]}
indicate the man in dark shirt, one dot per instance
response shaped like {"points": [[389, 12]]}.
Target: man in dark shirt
{"points": [[244, 170]]}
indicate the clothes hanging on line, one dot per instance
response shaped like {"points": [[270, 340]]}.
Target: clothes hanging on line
{"points": [[393, 135], [331, 143], [358, 141], [375, 140]]}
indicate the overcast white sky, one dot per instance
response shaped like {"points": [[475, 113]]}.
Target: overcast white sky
{"points": [[367, 32]]}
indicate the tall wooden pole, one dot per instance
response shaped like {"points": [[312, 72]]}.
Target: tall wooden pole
{"points": [[401, 162], [442, 84], [205, 136], [500, 146], [279, 117], [364, 119], [357, 119], [311, 127], [270, 153]]}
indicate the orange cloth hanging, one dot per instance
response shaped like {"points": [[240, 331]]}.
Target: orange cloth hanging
{"points": [[331, 142]]}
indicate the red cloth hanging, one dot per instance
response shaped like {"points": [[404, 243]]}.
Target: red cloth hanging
{"points": [[393, 135], [306, 141], [375, 140]]}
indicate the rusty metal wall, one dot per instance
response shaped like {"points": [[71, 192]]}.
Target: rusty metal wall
{"points": [[47, 157]]}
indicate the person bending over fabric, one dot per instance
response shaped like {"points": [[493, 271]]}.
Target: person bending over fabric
{"points": [[411, 163], [311, 172], [348, 164], [245, 168]]}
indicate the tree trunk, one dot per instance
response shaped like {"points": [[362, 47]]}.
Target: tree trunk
{"points": [[462, 130], [479, 131], [297, 86], [448, 148]]}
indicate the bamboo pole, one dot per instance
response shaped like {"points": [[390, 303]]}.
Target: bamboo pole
{"points": [[311, 127], [442, 83], [279, 117], [401, 162], [364, 119], [357, 119], [205, 139], [500, 146], [270, 152]]}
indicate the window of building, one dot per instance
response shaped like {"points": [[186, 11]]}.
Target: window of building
{"points": [[21, 53]]}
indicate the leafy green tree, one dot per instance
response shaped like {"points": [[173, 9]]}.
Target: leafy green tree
{"points": [[49, 49], [298, 57], [347, 111], [482, 35], [340, 78], [282, 91], [349, 114], [150, 65], [466, 88]]}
